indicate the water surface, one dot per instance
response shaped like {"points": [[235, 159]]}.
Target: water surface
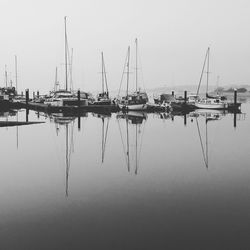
{"points": [[111, 181]]}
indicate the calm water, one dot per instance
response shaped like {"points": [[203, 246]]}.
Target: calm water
{"points": [[116, 182]]}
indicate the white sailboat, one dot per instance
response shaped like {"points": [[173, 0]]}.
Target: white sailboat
{"points": [[137, 100], [64, 97], [209, 102], [103, 97]]}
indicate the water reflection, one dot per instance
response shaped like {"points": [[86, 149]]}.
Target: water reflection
{"points": [[134, 129], [209, 116], [131, 129], [105, 118], [170, 161], [62, 120]]}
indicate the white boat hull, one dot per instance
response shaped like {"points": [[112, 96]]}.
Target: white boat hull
{"points": [[211, 105], [136, 107]]}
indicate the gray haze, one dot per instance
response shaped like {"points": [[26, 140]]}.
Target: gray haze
{"points": [[173, 37]]}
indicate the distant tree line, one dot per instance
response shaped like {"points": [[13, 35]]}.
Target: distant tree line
{"points": [[239, 90]]}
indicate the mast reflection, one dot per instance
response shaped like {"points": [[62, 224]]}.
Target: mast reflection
{"points": [[134, 123]]}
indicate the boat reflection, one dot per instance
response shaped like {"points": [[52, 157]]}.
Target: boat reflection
{"points": [[134, 131], [67, 122], [105, 126], [214, 115], [135, 117]]}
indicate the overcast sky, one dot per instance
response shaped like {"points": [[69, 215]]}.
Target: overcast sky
{"points": [[173, 36]]}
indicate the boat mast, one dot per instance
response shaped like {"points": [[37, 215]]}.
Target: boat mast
{"points": [[71, 69], [207, 68], [136, 64], [102, 74], [16, 71], [203, 67], [56, 83], [105, 76], [6, 76], [66, 55], [128, 70]]}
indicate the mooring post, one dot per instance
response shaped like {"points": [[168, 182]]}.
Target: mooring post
{"points": [[172, 93], [185, 96], [34, 95], [27, 96], [78, 98], [37, 94], [235, 97]]}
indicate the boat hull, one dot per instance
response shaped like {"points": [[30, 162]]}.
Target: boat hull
{"points": [[211, 105], [135, 107]]}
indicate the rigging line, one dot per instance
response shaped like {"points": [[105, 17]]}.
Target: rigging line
{"points": [[123, 74], [208, 50], [124, 150], [105, 76], [71, 70], [203, 67], [102, 74], [202, 147]]}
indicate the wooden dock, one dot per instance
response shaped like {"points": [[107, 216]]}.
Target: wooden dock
{"points": [[69, 109]]}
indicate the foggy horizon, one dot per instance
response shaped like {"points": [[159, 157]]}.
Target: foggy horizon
{"points": [[172, 39]]}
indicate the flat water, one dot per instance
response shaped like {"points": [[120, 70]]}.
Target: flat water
{"points": [[142, 181]]}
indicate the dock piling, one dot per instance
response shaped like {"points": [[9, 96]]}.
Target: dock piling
{"points": [[78, 98], [27, 96], [185, 96], [235, 97]]}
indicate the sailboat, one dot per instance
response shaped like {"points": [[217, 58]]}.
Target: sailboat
{"points": [[64, 97], [138, 99], [103, 97], [209, 102]]}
